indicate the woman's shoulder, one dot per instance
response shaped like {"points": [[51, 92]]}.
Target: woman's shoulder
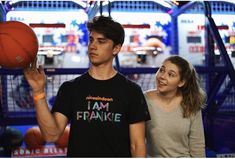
{"points": [[150, 93]]}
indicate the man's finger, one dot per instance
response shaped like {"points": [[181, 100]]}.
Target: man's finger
{"points": [[34, 64]]}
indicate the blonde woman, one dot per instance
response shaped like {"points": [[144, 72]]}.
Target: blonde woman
{"points": [[175, 128]]}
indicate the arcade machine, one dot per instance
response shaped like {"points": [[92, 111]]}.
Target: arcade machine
{"points": [[9, 137], [205, 36], [62, 35], [191, 28], [59, 26], [175, 33], [147, 40]]}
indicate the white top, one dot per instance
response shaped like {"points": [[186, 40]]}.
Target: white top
{"points": [[168, 134]]}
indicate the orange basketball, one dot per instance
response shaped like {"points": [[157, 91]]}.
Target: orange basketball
{"points": [[33, 138], [63, 140], [18, 44]]}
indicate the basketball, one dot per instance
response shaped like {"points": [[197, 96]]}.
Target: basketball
{"points": [[33, 138], [18, 45], [11, 138], [63, 140]]}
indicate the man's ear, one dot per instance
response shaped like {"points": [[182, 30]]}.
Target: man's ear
{"points": [[117, 49]]}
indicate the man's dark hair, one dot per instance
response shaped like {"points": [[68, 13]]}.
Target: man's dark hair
{"points": [[108, 27]]}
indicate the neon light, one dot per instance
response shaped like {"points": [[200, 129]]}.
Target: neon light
{"points": [[136, 26], [37, 25]]}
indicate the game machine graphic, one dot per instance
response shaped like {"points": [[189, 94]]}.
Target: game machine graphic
{"points": [[146, 38], [226, 23], [191, 39], [147, 35], [192, 30]]}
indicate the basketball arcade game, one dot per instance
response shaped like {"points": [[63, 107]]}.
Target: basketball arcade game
{"points": [[17, 97], [147, 40], [139, 71], [21, 102], [18, 109], [214, 57]]}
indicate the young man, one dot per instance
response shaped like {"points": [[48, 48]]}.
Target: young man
{"points": [[107, 112]]}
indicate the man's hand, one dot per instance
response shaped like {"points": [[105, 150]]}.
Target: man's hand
{"points": [[36, 77]]}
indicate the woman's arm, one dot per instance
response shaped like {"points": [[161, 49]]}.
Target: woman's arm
{"points": [[196, 136]]}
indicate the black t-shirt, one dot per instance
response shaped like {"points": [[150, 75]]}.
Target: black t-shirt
{"points": [[100, 112]]}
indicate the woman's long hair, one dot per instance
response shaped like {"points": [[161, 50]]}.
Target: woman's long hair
{"points": [[194, 97]]}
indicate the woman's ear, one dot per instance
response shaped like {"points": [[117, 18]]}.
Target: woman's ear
{"points": [[181, 84]]}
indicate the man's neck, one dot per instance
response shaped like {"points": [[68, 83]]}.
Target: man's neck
{"points": [[102, 73]]}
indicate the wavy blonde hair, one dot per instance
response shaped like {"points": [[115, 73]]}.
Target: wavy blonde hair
{"points": [[194, 97]]}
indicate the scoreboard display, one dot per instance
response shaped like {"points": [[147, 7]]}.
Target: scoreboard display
{"points": [[55, 29], [191, 28]]}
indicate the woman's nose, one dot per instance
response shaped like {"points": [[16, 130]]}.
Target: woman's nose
{"points": [[163, 75]]}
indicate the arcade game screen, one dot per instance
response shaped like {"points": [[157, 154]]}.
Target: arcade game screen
{"points": [[191, 28], [58, 33], [147, 40]]}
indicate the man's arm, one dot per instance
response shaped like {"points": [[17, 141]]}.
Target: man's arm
{"points": [[137, 137], [51, 125]]}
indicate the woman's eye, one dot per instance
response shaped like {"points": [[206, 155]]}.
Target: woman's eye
{"points": [[171, 75]]}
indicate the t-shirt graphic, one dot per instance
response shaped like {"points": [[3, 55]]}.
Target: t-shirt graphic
{"points": [[98, 108]]}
